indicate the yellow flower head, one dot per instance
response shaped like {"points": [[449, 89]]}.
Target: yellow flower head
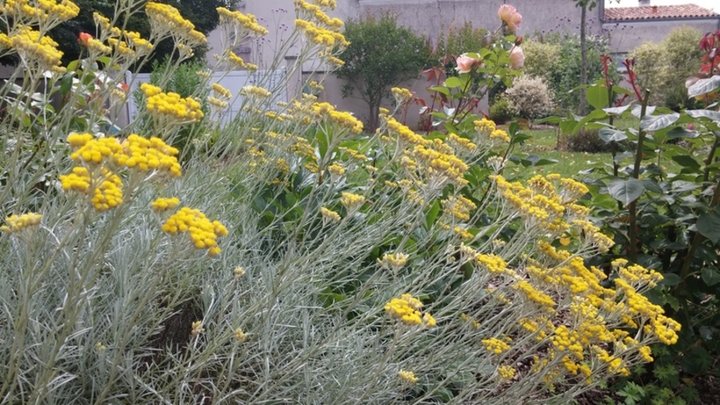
{"points": [[15, 223]]}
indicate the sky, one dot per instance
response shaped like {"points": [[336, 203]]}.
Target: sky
{"points": [[709, 4]]}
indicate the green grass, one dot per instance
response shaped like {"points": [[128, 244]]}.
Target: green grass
{"points": [[544, 145]]}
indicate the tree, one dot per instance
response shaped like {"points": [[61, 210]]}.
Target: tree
{"points": [[202, 13], [381, 54], [585, 6]]}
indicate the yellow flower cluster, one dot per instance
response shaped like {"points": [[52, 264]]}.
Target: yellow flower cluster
{"points": [[535, 295], [432, 162], [394, 261], [460, 143], [331, 4], [45, 13], [615, 364], [220, 90], [567, 340], [404, 133], [458, 207], [203, 232], [401, 95], [496, 346], [492, 263], [407, 376], [344, 119], [316, 12], [166, 20], [321, 36], [635, 274], [104, 185], [99, 154], [407, 309], [239, 63], [255, 91], [164, 204], [171, 105], [539, 203], [336, 169], [657, 324], [500, 135], [329, 215], [240, 22], [506, 372], [15, 223], [438, 164], [36, 49], [220, 97], [134, 152], [351, 201], [484, 126]]}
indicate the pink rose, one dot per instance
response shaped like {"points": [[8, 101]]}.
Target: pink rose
{"points": [[510, 17], [517, 58], [465, 63]]}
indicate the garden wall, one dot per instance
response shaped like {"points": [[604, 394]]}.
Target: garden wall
{"points": [[626, 36]]}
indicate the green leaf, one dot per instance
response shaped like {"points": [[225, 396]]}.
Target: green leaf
{"points": [[671, 279], [626, 191], [656, 122], [713, 115], [616, 110], [453, 82], [704, 86], [686, 161], [708, 225], [680, 132], [432, 214], [440, 89], [710, 276], [597, 96], [612, 135]]}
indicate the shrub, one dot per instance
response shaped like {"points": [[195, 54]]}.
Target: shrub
{"points": [[556, 58], [500, 111], [664, 67], [649, 64], [585, 140], [458, 41], [529, 97], [381, 54]]}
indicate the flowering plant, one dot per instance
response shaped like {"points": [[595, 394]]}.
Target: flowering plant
{"points": [[294, 256]]}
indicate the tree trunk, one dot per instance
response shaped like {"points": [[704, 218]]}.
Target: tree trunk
{"points": [[372, 122], [582, 106]]}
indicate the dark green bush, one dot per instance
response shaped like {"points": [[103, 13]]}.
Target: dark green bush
{"points": [[500, 111]]}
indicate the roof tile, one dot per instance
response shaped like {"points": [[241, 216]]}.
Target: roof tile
{"points": [[658, 12]]}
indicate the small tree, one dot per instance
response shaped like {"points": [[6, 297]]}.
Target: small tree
{"points": [[380, 55]]}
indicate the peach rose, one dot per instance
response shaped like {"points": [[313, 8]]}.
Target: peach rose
{"points": [[465, 63], [84, 38], [510, 17], [517, 58]]}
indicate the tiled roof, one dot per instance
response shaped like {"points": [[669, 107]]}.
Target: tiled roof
{"points": [[658, 12]]}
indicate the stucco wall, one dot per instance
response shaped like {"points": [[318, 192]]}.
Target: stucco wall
{"points": [[624, 37]]}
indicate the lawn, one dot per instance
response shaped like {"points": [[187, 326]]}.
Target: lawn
{"points": [[543, 144]]}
